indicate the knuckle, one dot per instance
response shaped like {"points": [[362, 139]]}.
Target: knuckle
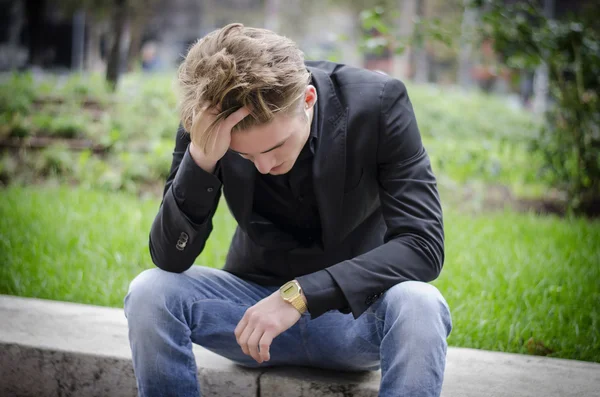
{"points": [[272, 325], [255, 316], [275, 323]]}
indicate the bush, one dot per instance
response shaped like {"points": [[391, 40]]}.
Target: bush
{"points": [[569, 142], [54, 161], [17, 93]]}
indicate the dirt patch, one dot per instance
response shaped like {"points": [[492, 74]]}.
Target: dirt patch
{"points": [[43, 142], [500, 196], [497, 197]]}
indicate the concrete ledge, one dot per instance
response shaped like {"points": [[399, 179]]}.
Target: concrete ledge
{"points": [[50, 348]]}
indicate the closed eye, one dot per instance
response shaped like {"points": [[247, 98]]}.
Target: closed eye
{"points": [[280, 144]]}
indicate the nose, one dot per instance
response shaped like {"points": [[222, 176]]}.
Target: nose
{"points": [[264, 163]]}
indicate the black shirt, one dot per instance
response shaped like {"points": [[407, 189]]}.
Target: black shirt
{"points": [[288, 200]]}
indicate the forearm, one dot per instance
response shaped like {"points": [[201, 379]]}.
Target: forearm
{"points": [[353, 285], [184, 220]]}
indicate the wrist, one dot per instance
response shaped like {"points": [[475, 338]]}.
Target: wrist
{"points": [[292, 293], [304, 298], [201, 160]]}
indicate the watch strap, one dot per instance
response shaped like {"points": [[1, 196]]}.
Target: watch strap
{"points": [[299, 304]]}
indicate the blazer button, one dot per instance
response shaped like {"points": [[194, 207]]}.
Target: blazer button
{"points": [[372, 298], [182, 242]]}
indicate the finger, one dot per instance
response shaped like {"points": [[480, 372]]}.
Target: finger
{"points": [[215, 136], [240, 327], [236, 117], [265, 345], [196, 127], [253, 344], [201, 121], [243, 342]]}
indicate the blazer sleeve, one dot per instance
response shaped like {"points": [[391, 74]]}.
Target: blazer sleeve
{"points": [[413, 246], [184, 220]]}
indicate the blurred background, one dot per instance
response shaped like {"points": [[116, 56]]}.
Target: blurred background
{"points": [[505, 94]]}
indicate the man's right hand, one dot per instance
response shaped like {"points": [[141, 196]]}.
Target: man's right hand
{"points": [[220, 140]]}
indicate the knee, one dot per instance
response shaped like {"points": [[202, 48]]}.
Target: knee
{"points": [[420, 303], [149, 291]]}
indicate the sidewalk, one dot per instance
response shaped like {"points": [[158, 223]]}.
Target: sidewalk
{"points": [[50, 348]]}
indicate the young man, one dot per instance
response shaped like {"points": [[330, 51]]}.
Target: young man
{"points": [[339, 224]]}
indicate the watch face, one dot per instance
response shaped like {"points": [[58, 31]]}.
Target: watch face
{"points": [[289, 290]]}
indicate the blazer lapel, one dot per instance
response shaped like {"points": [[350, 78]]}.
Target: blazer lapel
{"points": [[329, 167]]}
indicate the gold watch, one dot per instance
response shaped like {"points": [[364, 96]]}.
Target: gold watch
{"points": [[292, 292]]}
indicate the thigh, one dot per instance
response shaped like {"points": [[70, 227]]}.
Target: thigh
{"points": [[219, 306], [338, 341]]}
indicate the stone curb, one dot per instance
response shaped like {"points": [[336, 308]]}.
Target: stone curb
{"points": [[50, 348]]}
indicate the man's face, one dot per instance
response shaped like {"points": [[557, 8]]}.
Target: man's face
{"points": [[274, 147]]}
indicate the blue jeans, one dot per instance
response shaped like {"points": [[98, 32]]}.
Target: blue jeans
{"points": [[403, 333]]}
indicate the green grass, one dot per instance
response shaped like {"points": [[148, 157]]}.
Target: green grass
{"points": [[82, 245], [511, 278], [508, 277]]}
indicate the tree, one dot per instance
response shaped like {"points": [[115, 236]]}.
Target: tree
{"points": [[127, 20], [117, 52], [570, 50], [382, 35]]}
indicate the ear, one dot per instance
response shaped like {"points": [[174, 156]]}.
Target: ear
{"points": [[310, 97]]}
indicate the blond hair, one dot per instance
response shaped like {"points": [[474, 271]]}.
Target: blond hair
{"points": [[239, 66]]}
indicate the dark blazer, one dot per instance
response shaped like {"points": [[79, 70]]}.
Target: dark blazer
{"points": [[377, 196]]}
